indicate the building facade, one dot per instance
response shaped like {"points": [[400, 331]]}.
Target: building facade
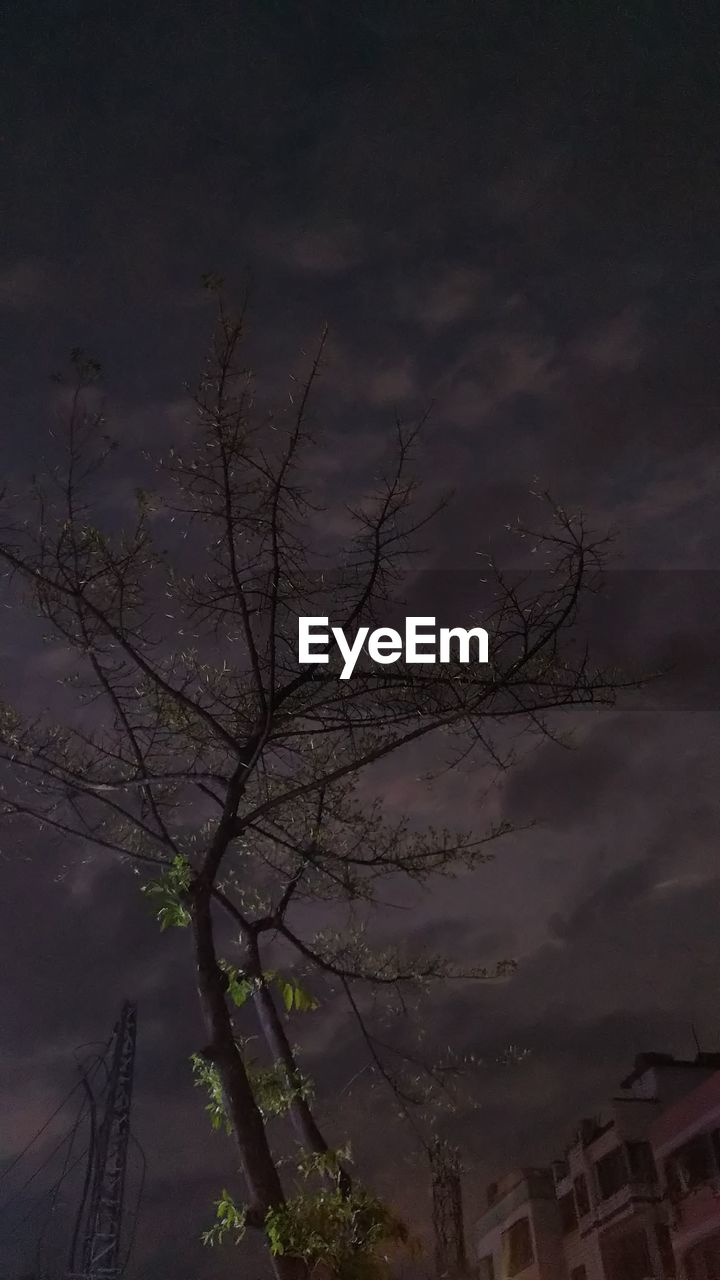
{"points": [[614, 1217]]}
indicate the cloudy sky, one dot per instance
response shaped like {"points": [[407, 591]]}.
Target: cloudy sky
{"points": [[510, 211]]}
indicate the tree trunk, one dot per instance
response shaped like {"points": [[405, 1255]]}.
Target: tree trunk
{"points": [[304, 1122], [261, 1176]]}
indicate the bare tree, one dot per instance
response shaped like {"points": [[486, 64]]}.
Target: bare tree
{"points": [[204, 751]]}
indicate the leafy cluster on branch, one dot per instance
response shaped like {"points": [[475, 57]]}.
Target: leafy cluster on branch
{"points": [[274, 1094], [168, 893], [207, 1077], [353, 1235]]}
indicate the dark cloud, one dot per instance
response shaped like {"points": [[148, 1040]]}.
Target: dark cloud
{"points": [[511, 214]]}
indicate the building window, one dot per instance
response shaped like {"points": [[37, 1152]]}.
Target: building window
{"points": [[641, 1162], [665, 1249], [626, 1257], [578, 1273], [690, 1166], [611, 1173], [582, 1199], [702, 1262], [486, 1268], [517, 1247], [568, 1216]]}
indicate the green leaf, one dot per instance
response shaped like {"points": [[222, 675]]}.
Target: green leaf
{"points": [[240, 988], [294, 997]]}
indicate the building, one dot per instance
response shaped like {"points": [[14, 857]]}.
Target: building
{"points": [[519, 1232], [686, 1143], [612, 1218]]}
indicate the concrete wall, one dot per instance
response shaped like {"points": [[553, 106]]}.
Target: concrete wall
{"points": [[530, 1197], [697, 1213]]}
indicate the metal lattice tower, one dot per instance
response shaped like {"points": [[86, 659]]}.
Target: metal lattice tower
{"points": [[448, 1227], [101, 1244]]}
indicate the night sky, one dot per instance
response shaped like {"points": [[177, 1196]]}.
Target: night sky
{"points": [[510, 211]]}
